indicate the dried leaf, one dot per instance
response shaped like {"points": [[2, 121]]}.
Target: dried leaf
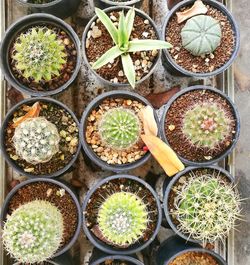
{"points": [[148, 119], [197, 9], [165, 156]]}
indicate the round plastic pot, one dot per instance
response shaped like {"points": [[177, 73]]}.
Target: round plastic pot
{"points": [[5, 207], [169, 188], [170, 64], [22, 25], [108, 248], [234, 110], [59, 8], [175, 246], [99, 256], [12, 162], [85, 33], [110, 3]]}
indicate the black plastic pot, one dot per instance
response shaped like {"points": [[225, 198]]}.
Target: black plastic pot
{"points": [[109, 3], [85, 33], [59, 8], [170, 63], [4, 210], [18, 27], [99, 256], [169, 187], [87, 148], [2, 140], [234, 109], [175, 246], [110, 249]]}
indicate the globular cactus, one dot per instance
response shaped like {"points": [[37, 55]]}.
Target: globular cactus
{"points": [[33, 232], [206, 207], [123, 218], [206, 125], [36, 140], [120, 128], [38, 54], [201, 35]]}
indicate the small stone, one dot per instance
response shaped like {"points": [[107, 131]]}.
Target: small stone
{"points": [[68, 139], [137, 62], [207, 60], [154, 52], [14, 157], [208, 157], [145, 34], [30, 169], [120, 73], [49, 191], [129, 102], [115, 80], [93, 24], [211, 55], [66, 41], [146, 21], [89, 34], [87, 43], [113, 18], [62, 157], [171, 127], [178, 49], [144, 63], [176, 56], [74, 142], [96, 33], [60, 192]]}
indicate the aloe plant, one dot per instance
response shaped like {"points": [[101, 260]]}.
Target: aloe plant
{"points": [[123, 45]]}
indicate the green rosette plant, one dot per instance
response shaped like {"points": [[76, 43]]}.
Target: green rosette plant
{"points": [[123, 45]]}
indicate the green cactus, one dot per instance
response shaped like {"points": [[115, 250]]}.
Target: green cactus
{"points": [[36, 140], [206, 125], [201, 35], [33, 232], [39, 54], [120, 128], [123, 218], [206, 207]]}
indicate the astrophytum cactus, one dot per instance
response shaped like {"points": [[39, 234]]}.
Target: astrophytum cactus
{"points": [[38, 54], [33, 232], [201, 35], [36, 140], [123, 218], [120, 128]]}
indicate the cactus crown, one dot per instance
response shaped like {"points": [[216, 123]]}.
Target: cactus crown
{"points": [[122, 218], [206, 125], [120, 128], [206, 207], [33, 232], [36, 140], [201, 35], [38, 54]]}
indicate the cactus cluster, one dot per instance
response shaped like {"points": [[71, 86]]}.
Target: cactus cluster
{"points": [[36, 140], [120, 128], [123, 218], [201, 35], [33, 232], [206, 125], [206, 207], [39, 54]]}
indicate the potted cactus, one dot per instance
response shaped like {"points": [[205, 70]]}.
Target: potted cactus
{"points": [[204, 36], [122, 215], [201, 204], [39, 137], [135, 54], [41, 218], [110, 131], [201, 124], [40, 55]]}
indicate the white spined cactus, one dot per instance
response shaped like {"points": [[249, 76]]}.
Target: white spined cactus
{"points": [[33, 232], [36, 140]]}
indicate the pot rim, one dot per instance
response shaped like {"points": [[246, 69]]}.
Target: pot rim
{"points": [[117, 257], [39, 5], [113, 3]]}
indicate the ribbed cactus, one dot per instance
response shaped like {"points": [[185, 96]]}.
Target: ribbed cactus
{"points": [[201, 35], [120, 128], [33, 232], [38, 54], [206, 207], [206, 125], [36, 140], [122, 218]]}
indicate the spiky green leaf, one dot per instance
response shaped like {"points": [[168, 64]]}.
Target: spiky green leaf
{"points": [[148, 45], [129, 69], [130, 21], [122, 33]]}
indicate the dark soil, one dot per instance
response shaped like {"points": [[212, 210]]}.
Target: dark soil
{"points": [[179, 142], [210, 62], [95, 47], [49, 192], [67, 147], [118, 185], [56, 81]]}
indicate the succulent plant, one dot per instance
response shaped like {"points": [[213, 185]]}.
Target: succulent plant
{"points": [[201, 35], [119, 128], [206, 207], [123, 46], [39, 54], [36, 140], [123, 218], [33, 232], [206, 125]]}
